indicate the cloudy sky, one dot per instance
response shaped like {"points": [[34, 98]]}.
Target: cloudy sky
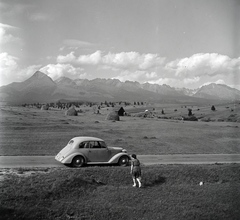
{"points": [[181, 43]]}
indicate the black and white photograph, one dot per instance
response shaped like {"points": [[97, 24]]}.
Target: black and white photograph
{"points": [[119, 109]]}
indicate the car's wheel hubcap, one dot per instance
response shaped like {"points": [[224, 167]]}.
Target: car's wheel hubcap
{"points": [[78, 161], [124, 160]]}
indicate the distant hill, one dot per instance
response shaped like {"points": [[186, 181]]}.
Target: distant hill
{"points": [[41, 88], [218, 91], [38, 87]]}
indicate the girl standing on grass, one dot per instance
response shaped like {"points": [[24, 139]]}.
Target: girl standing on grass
{"points": [[135, 171]]}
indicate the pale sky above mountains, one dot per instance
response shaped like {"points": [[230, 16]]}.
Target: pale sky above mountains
{"points": [[181, 43]]}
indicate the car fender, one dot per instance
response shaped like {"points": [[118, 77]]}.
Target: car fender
{"points": [[70, 157], [116, 157]]}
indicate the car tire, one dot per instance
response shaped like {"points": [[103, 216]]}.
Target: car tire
{"points": [[78, 161], [123, 161]]}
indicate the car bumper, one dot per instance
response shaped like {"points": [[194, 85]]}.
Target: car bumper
{"points": [[59, 158]]}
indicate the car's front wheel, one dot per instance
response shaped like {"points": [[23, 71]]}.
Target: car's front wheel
{"points": [[123, 161], [78, 161]]}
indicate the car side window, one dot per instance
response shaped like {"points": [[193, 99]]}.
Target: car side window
{"points": [[82, 144], [102, 144], [87, 145], [94, 144]]}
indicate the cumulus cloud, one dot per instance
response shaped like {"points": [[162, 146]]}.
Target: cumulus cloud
{"points": [[220, 81], [7, 62], [188, 81], [27, 72], [139, 75], [190, 72], [90, 59], [204, 64], [69, 58], [126, 60], [8, 66], [115, 61], [167, 81], [59, 70], [6, 36], [10, 70]]}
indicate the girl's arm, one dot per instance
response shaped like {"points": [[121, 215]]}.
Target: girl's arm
{"points": [[131, 169]]}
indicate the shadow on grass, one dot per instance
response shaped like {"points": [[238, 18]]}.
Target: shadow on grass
{"points": [[9, 213], [96, 165], [153, 181]]}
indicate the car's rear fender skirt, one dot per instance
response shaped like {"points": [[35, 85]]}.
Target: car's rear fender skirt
{"points": [[116, 157], [69, 158]]}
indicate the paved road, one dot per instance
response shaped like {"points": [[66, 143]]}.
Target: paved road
{"points": [[49, 161]]}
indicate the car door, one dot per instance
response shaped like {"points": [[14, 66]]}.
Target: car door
{"points": [[97, 152]]}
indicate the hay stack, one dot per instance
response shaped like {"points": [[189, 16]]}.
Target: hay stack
{"points": [[146, 114], [113, 116], [71, 111], [44, 107]]}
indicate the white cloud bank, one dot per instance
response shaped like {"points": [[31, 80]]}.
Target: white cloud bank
{"points": [[56, 71], [189, 72], [11, 72], [115, 61], [5, 35], [204, 64], [8, 66]]}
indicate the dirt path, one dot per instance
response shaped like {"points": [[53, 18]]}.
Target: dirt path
{"points": [[49, 161]]}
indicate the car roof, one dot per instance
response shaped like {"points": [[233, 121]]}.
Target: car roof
{"points": [[84, 138]]}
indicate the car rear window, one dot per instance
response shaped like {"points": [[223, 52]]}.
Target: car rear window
{"points": [[71, 142]]}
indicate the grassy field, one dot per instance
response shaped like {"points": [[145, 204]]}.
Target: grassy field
{"points": [[169, 192], [106, 192], [28, 131]]}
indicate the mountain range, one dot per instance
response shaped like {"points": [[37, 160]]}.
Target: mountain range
{"points": [[41, 88]]}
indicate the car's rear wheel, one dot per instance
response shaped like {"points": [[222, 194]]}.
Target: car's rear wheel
{"points": [[123, 161], [78, 161]]}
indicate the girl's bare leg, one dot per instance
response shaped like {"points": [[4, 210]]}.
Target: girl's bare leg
{"points": [[139, 182], [134, 182]]}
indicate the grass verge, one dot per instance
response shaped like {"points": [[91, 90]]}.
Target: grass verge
{"points": [[169, 192]]}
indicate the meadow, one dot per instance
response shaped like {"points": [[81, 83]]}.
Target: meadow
{"points": [[29, 131], [106, 192]]}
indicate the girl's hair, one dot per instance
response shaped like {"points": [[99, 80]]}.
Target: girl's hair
{"points": [[134, 156]]}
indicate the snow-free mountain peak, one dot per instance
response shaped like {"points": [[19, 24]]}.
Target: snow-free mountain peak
{"points": [[40, 79], [41, 88]]}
